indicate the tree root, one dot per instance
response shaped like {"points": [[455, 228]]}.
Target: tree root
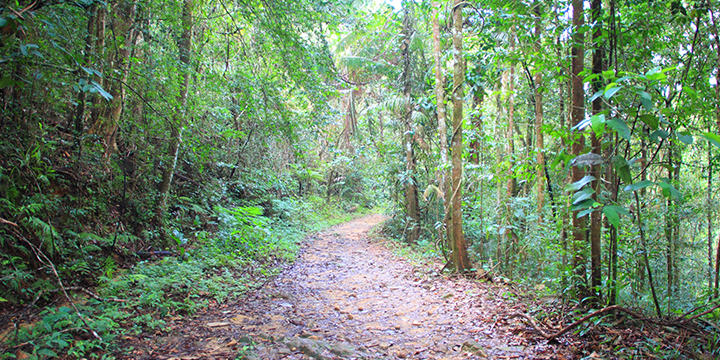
{"points": [[555, 335]]}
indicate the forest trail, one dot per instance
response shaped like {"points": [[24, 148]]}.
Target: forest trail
{"points": [[348, 297]]}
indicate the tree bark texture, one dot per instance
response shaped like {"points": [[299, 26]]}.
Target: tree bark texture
{"points": [[107, 126], [539, 143], [411, 193], [444, 181], [578, 142], [180, 113], [460, 260], [595, 217]]}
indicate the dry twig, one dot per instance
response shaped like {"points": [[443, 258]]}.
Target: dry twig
{"points": [[575, 324]]}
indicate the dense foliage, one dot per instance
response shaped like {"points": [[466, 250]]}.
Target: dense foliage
{"points": [[590, 140]]}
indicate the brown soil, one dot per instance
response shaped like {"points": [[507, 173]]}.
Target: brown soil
{"points": [[348, 297]]}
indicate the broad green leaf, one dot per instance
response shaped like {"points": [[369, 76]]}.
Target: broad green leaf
{"points": [[585, 204], [102, 91], [650, 120], [598, 124], [596, 95], [583, 124], [685, 137], [619, 209], [91, 71], [6, 81], [3, 22], [47, 353], [712, 138], [622, 129], [610, 86], [612, 215], [647, 104], [639, 185], [659, 134], [590, 78], [608, 74], [669, 190], [562, 156], [582, 195], [610, 92], [580, 183], [690, 91], [585, 212], [622, 168]]}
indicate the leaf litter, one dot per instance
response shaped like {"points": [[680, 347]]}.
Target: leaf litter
{"points": [[347, 296]]}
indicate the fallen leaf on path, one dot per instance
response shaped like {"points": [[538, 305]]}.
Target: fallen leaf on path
{"points": [[218, 324]]}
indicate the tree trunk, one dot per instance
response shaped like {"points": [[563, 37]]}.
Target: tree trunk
{"points": [[512, 188], [460, 260], [717, 121], [411, 192], [98, 53], [539, 143], [179, 116], [709, 214], [79, 113], [595, 217], [578, 143], [107, 126], [444, 181], [499, 196]]}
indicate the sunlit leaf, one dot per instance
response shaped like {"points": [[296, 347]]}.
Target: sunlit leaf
{"points": [[610, 92], [582, 195], [598, 124], [580, 183], [712, 138]]}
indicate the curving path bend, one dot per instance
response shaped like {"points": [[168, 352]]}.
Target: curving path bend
{"points": [[348, 297]]}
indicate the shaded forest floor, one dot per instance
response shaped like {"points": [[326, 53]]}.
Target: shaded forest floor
{"points": [[348, 297]]}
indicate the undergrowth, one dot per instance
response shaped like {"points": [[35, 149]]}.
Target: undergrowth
{"points": [[248, 248]]}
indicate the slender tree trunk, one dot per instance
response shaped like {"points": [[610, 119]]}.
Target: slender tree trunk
{"points": [[499, 197], [180, 114], [709, 214], [445, 184], [478, 98], [643, 242], [595, 217], [107, 126], [614, 180], [578, 143], [539, 144], [639, 264], [564, 210], [411, 193], [460, 260], [669, 251], [511, 188], [98, 54], [79, 113], [717, 121]]}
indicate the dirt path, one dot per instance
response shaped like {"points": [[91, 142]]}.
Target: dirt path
{"points": [[348, 297]]}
